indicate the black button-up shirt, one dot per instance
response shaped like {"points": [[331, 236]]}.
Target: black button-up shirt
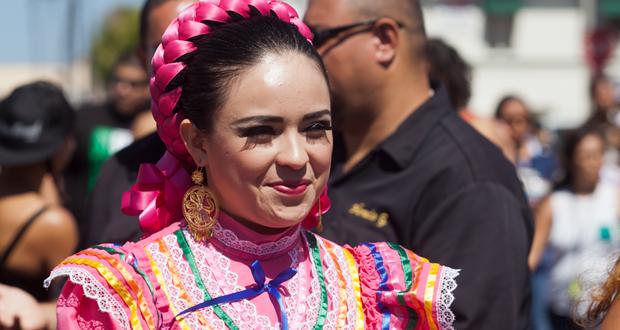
{"points": [[439, 188]]}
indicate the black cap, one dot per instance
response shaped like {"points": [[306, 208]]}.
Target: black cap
{"points": [[35, 120]]}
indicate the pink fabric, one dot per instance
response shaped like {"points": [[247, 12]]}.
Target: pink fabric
{"points": [[225, 268], [370, 281], [158, 194], [76, 312]]}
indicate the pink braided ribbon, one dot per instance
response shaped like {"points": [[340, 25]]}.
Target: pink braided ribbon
{"points": [[157, 196]]}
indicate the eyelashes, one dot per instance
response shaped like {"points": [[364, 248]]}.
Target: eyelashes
{"points": [[264, 134]]}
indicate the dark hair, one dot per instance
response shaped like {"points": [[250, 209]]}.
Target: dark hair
{"points": [[502, 103], [571, 141], [226, 51], [447, 66]]}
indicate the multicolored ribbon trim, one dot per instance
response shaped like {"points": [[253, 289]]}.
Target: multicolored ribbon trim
{"points": [[383, 286], [259, 277]]}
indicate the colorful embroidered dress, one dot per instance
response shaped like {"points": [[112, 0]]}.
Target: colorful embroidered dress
{"points": [[144, 285]]}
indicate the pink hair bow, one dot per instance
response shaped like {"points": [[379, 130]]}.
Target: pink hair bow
{"points": [[157, 196]]}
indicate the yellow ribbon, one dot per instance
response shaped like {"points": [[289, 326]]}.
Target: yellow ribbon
{"points": [[114, 282], [357, 288], [144, 309]]}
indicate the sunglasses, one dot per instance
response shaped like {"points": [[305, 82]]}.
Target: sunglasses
{"points": [[321, 36]]}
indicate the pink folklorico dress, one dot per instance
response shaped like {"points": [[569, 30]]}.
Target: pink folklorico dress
{"points": [[145, 285]]}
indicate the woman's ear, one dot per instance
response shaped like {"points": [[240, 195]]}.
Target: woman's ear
{"points": [[194, 140]]}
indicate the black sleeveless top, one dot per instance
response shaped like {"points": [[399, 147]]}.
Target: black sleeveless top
{"points": [[34, 286]]}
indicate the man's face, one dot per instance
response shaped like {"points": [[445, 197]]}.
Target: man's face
{"points": [[129, 89], [347, 55], [158, 20]]}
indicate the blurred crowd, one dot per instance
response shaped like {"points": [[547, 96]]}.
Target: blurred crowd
{"points": [[52, 152]]}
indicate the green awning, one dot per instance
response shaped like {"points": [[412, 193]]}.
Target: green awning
{"points": [[610, 8], [503, 7]]}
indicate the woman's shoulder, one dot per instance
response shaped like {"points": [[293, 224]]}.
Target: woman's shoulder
{"points": [[119, 279], [396, 283]]}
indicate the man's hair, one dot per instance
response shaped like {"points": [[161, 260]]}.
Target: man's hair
{"points": [[447, 66], [408, 12]]}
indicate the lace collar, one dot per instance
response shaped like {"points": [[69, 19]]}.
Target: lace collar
{"points": [[232, 237]]}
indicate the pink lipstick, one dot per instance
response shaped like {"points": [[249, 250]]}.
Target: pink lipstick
{"points": [[291, 188]]}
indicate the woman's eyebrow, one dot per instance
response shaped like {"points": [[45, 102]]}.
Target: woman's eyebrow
{"points": [[318, 114], [259, 120]]}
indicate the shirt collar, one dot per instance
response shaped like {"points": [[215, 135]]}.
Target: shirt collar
{"points": [[403, 144]]}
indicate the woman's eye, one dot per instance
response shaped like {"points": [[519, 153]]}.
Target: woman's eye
{"points": [[317, 129], [257, 135]]}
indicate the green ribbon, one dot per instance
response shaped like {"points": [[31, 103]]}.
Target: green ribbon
{"points": [[187, 251], [316, 260]]}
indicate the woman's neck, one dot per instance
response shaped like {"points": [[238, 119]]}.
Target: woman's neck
{"points": [[253, 226], [14, 181]]}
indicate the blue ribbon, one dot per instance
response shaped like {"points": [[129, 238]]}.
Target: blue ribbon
{"points": [[259, 277], [383, 286]]}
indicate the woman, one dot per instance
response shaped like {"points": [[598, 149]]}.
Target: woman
{"points": [[240, 95], [36, 231], [579, 225], [527, 150]]}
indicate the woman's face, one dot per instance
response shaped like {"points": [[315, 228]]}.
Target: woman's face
{"points": [[588, 159], [515, 114], [268, 154]]}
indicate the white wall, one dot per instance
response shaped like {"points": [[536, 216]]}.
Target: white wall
{"points": [[546, 64]]}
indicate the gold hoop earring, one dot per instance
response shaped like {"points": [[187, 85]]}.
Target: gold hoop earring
{"points": [[200, 208], [319, 224]]}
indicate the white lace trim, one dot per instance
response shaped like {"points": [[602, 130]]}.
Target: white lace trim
{"points": [[244, 313], [333, 290], [93, 289], [445, 316], [230, 239], [351, 302]]}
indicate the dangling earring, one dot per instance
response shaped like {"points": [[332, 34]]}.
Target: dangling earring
{"points": [[319, 223], [200, 208]]}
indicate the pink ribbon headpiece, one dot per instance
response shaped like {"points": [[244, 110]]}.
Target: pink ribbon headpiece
{"points": [[157, 196]]}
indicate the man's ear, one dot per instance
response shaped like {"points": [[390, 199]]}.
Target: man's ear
{"points": [[195, 141], [386, 40]]}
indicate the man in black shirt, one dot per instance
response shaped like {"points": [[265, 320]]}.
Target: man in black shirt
{"points": [[408, 169]]}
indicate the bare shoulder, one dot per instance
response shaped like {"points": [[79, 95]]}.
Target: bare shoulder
{"points": [[56, 228], [55, 220]]}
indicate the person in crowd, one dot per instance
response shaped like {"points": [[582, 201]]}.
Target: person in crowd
{"points": [[605, 115], [605, 108], [447, 66], [579, 225], [104, 128], [408, 169], [533, 158], [242, 102], [36, 231], [107, 222]]}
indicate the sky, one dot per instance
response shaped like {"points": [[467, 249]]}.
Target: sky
{"points": [[35, 31]]}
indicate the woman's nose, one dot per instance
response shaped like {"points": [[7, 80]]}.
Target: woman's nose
{"points": [[293, 153]]}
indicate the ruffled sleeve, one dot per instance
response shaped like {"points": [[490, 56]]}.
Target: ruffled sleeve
{"points": [[401, 290], [105, 290]]}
